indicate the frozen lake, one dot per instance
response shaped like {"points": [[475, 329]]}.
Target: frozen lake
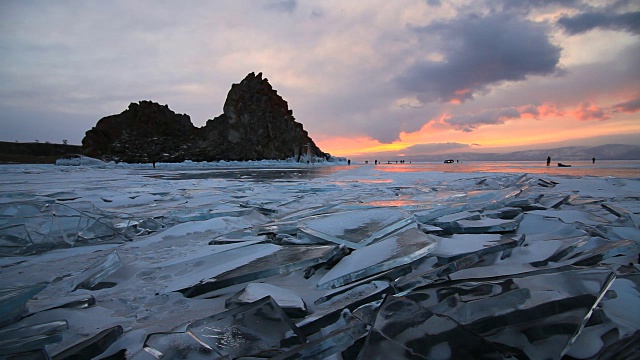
{"points": [[285, 261]]}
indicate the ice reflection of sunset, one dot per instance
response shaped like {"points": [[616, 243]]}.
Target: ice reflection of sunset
{"points": [[578, 168]]}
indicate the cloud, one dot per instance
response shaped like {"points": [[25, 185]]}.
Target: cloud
{"points": [[531, 110], [479, 52], [525, 6], [586, 112], [469, 122], [287, 6], [630, 106], [587, 21]]}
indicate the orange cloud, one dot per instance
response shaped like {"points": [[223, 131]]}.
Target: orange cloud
{"points": [[586, 112]]}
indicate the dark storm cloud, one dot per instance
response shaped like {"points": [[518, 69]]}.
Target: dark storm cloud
{"points": [[527, 5], [470, 122], [479, 52], [630, 106], [584, 22], [288, 6]]}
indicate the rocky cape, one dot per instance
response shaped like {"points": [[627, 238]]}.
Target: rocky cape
{"points": [[256, 124]]}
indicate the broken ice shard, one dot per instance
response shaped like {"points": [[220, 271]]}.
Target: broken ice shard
{"points": [[396, 250], [472, 201], [290, 302], [33, 337], [178, 345], [536, 314], [330, 308], [604, 251], [257, 329], [432, 269], [457, 246], [74, 301], [93, 346], [39, 354], [334, 342], [466, 222], [250, 263], [13, 301], [29, 228], [357, 228], [616, 333], [97, 272], [404, 329], [554, 202]]}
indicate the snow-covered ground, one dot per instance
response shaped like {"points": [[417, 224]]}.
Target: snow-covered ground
{"points": [[179, 261]]}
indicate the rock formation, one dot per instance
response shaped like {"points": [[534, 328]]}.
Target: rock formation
{"points": [[256, 124]]}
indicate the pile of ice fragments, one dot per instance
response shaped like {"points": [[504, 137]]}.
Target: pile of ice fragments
{"points": [[498, 267]]}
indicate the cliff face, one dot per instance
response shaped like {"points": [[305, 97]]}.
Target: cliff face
{"points": [[256, 124], [145, 132]]}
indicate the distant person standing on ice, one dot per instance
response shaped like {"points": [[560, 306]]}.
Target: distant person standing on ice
{"points": [[548, 160], [593, 160]]}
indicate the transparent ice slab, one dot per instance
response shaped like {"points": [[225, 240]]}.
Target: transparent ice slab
{"points": [[399, 249], [623, 213], [33, 337], [453, 247], [473, 223], [257, 329], [329, 344], [39, 354], [97, 272], [178, 345], [220, 210], [251, 263], [74, 301], [473, 201], [290, 302], [571, 216], [432, 270], [584, 250], [357, 228], [538, 313], [329, 308], [93, 346], [616, 332], [31, 228], [405, 329], [13, 302], [505, 213], [604, 251], [554, 202], [538, 227]]}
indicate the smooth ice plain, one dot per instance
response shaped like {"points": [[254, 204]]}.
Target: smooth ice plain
{"points": [[284, 261]]}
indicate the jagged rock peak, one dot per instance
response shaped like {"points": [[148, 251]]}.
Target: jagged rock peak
{"points": [[256, 124]]}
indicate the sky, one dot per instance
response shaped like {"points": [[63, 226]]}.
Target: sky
{"points": [[365, 78]]}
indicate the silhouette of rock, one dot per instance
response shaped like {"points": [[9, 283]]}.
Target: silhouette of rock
{"points": [[256, 124], [145, 132]]}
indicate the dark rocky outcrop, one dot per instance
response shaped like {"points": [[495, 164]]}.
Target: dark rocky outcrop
{"points": [[145, 132], [256, 124]]}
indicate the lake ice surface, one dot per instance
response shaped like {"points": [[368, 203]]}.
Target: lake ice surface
{"points": [[338, 261]]}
